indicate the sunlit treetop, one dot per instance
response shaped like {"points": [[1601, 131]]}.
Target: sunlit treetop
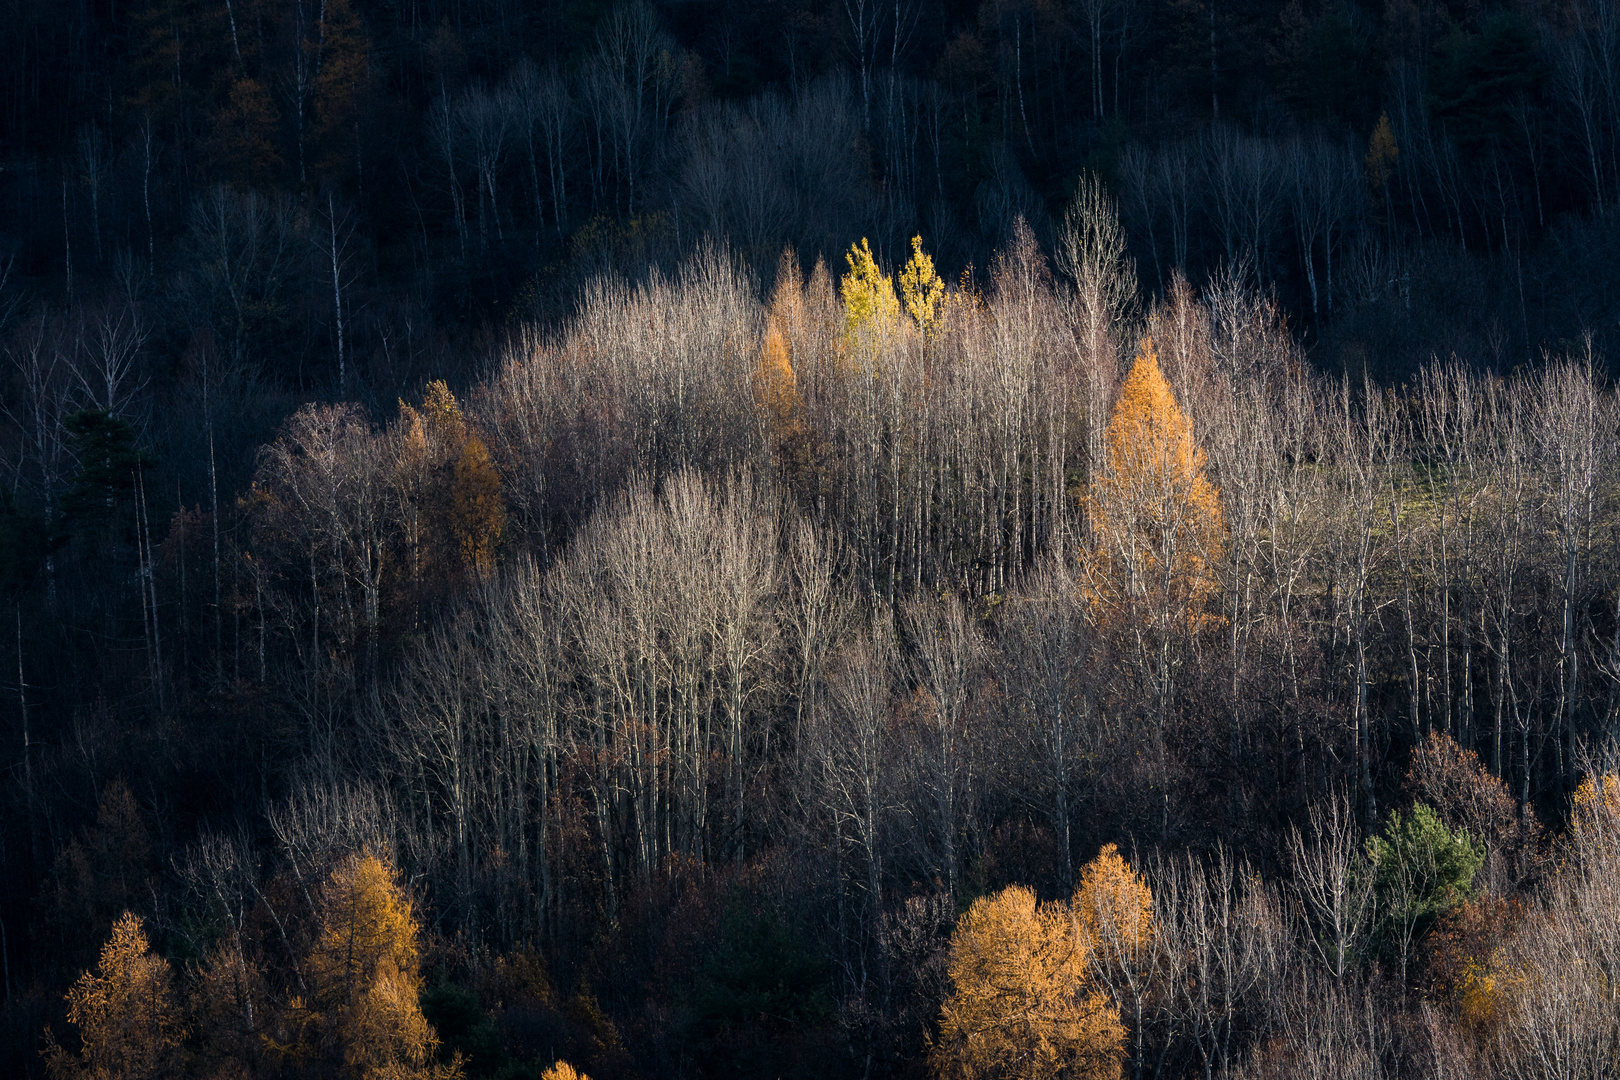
{"points": [[921, 289], [1156, 519], [1113, 903], [867, 292]]}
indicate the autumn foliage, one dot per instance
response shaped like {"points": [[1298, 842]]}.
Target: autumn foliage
{"points": [[867, 292], [1156, 520], [1114, 906], [1022, 1003], [921, 289], [364, 979], [126, 1011], [563, 1071], [410, 453]]}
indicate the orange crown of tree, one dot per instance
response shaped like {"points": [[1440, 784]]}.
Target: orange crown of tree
{"points": [[1152, 506], [1023, 1000], [1150, 440]]}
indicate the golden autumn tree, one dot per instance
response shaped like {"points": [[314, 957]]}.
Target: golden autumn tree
{"points": [[441, 412], [1156, 533], [451, 509], [776, 388], [478, 514], [563, 1071], [1114, 908], [363, 977], [1548, 994], [776, 396], [1466, 958], [1595, 817], [921, 289], [128, 1019], [795, 445], [867, 292], [1023, 1004], [1156, 520]]}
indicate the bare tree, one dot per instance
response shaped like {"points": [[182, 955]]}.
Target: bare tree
{"points": [[851, 744], [543, 117], [1333, 884], [1091, 251], [1046, 652], [1218, 925], [633, 87], [483, 128], [106, 361], [947, 650], [334, 242]]}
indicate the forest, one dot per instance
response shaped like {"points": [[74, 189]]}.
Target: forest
{"points": [[965, 539]]}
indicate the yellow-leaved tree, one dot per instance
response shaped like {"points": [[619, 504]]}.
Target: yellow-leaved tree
{"points": [[129, 1022], [1024, 1004], [478, 514], [1595, 821], [868, 294], [1548, 995], [1156, 521], [921, 289], [363, 976], [563, 1071], [451, 509], [1114, 907]]}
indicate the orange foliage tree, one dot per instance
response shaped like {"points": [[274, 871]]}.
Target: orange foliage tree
{"points": [[1465, 957], [477, 513], [1155, 517], [452, 513], [363, 977], [129, 1022], [1549, 994], [563, 1071], [776, 389], [793, 439], [1023, 1003], [1156, 525], [1114, 907]]}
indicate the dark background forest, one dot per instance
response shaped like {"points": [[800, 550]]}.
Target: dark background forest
{"points": [[417, 446]]}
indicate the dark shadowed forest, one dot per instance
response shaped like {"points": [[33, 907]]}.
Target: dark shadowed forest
{"points": [[809, 538]]}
